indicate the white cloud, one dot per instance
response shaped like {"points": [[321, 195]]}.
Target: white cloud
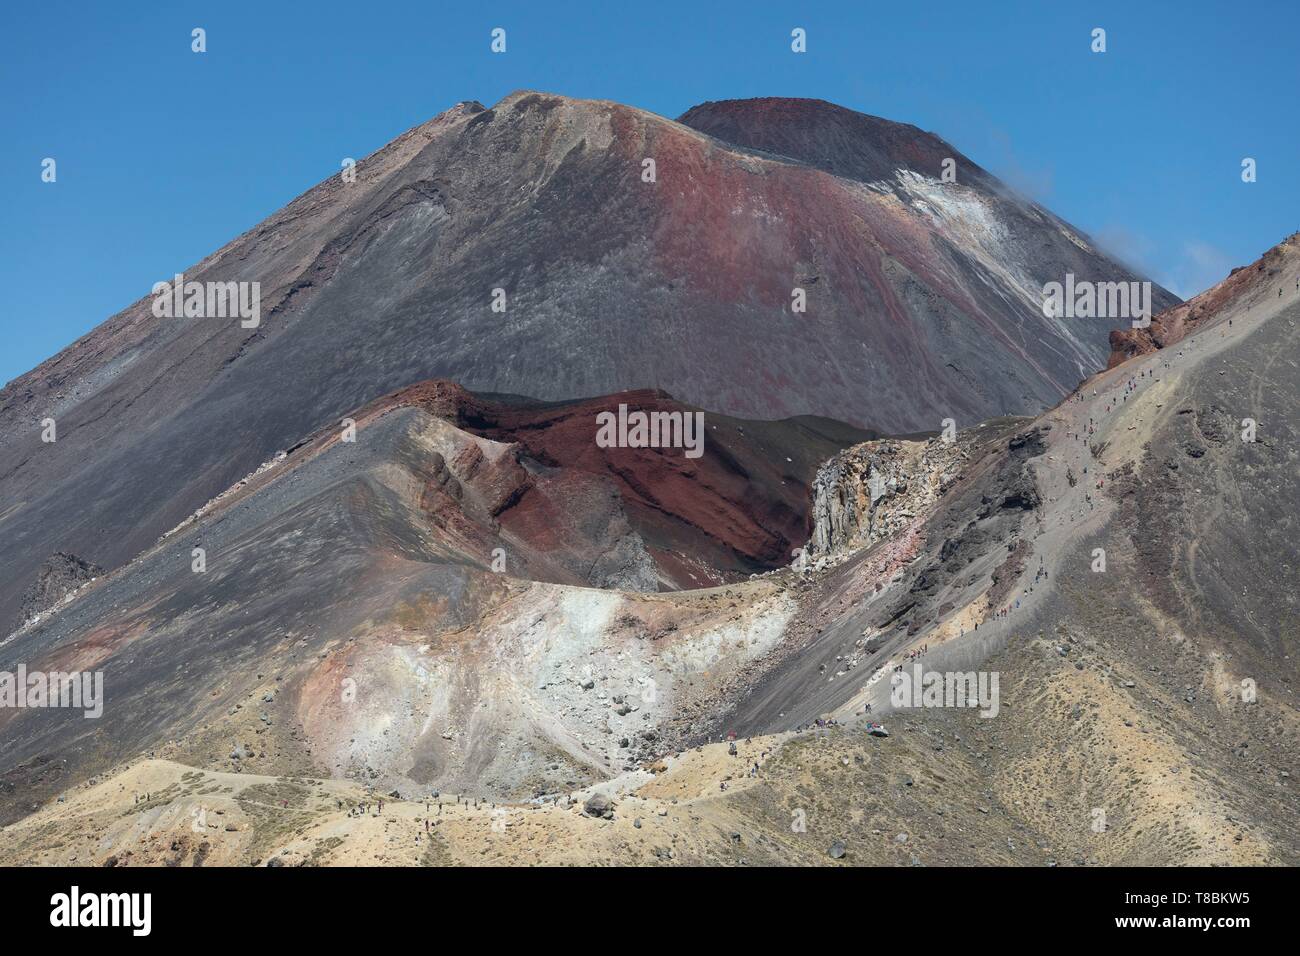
{"points": [[1133, 249], [1197, 266]]}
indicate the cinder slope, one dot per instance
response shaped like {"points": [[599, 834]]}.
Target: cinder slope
{"points": [[417, 603], [923, 304], [1123, 732], [1158, 691]]}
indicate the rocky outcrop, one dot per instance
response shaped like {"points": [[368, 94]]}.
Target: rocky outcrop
{"points": [[923, 294], [872, 490], [1259, 280], [61, 575]]}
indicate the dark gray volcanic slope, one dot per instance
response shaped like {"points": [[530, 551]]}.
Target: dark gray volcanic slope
{"points": [[1158, 688], [848, 144], [389, 541], [176, 646], [922, 304], [1198, 525], [1163, 680]]}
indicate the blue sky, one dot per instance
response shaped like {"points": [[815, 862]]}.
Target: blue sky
{"points": [[164, 155]]}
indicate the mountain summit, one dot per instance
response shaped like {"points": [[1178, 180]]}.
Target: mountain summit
{"points": [[923, 301], [275, 565]]}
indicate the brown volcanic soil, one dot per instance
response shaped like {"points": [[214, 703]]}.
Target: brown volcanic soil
{"points": [[1159, 693], [1254, 283], [376, 561], [1124, 734], [944, 789]]}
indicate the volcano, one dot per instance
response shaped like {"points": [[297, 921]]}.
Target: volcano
{"points": [[352, 634], [432, 526], [922, 298]]}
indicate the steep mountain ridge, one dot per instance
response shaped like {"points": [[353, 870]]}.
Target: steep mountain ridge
{"points": [[1256, 282], [610, 282], [346, 629]]}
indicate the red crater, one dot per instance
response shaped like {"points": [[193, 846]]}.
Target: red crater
{"points": [[740, 507]]}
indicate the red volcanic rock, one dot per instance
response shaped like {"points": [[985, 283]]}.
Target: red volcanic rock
{"points": [[921, 306], [1172, 325], [742, 506]]}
